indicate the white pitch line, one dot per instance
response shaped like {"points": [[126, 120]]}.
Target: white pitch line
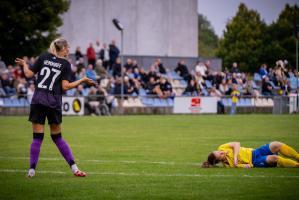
{"points": [[105, 161], [149, 174]]}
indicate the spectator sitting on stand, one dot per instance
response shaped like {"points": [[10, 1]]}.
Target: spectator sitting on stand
{"points": [[201, 68], [135, 64], [266, 87], [160, 66], [152, 87], [90, 73], [100, 70], [263, 70], [182, 70], [116, 68], [129, 65], [80, 65], [166, 88], [192, 88], [93, 105]]}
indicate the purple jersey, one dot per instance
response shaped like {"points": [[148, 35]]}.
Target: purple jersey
{"points": [[50, 71]]}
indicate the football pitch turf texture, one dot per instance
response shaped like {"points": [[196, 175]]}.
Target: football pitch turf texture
{"points": [[146, 157]]}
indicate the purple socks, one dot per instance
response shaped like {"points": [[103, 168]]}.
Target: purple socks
{"points": [[63, 148], [35, 149]]}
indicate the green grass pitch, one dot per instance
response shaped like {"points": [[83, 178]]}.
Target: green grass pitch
{"points": [[146, 157]]}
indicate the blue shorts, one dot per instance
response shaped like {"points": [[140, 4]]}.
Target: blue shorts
{"points": [[259, 156]]}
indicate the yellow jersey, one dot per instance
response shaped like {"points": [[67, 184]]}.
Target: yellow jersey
{"points": [[235, 96], [244, 156]]}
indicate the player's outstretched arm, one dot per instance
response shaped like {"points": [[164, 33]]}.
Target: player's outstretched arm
{"points": [[28, 73], [66, 85]]}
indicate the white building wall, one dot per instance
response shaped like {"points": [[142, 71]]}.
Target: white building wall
{"points": [[152, 27]]}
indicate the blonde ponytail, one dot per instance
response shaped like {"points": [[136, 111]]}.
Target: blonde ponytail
{"points": [[57, 45]]}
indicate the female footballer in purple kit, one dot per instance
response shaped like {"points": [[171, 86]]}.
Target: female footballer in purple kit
{"points": [[53, 75]]}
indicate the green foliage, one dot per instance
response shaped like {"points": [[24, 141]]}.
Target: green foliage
{"points": [[250, 42], [207, 39], [280, 36], [28, 27], [243, 39]]}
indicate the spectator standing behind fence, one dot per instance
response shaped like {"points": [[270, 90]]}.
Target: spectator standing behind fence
{"points": [[97, 48], [113, 52], [91, 55], [235, 68], [104, 56], [235, 95]]}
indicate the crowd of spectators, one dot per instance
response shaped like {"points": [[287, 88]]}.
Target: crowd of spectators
{"points": [[104, 66]]}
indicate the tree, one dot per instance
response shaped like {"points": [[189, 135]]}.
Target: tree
{"points": [[243, 39], [207, 39], [27, 27], [280, 40]]}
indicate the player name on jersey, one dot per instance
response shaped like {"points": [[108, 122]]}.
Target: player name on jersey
{"points": [[52, 64]]}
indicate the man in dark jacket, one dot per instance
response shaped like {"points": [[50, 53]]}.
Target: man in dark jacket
{"points": [[113, 52], [182, 70]]}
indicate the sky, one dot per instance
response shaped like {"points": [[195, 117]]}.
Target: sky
{"points": [[218, 12]]}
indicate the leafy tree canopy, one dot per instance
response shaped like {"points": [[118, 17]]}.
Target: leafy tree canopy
{"points": [[27, 27]]}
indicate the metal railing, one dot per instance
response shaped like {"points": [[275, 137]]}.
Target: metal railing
{"points": [[246, 104]]}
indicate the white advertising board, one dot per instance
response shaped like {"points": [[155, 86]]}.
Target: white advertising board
{"points": [[72, 105], [185, 105]]}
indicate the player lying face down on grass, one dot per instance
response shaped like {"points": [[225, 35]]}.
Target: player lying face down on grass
{"points": [[274, 154], [52, 71]]}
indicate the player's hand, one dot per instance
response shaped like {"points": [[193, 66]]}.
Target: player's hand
{"points": [[89, 81], [235, 162], [247, 166], [20, 61]]}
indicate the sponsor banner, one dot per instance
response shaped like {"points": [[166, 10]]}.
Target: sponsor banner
{"points": [[72, 105], [195, 105]]}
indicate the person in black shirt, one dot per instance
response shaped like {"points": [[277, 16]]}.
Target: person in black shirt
{"points": [[78, 54], [116, 68], [192, 89], [182, 70], [113, 52], [160, 66], [266, 87], [129, 65], [152, 86], [166, 88], [53, 76]]}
